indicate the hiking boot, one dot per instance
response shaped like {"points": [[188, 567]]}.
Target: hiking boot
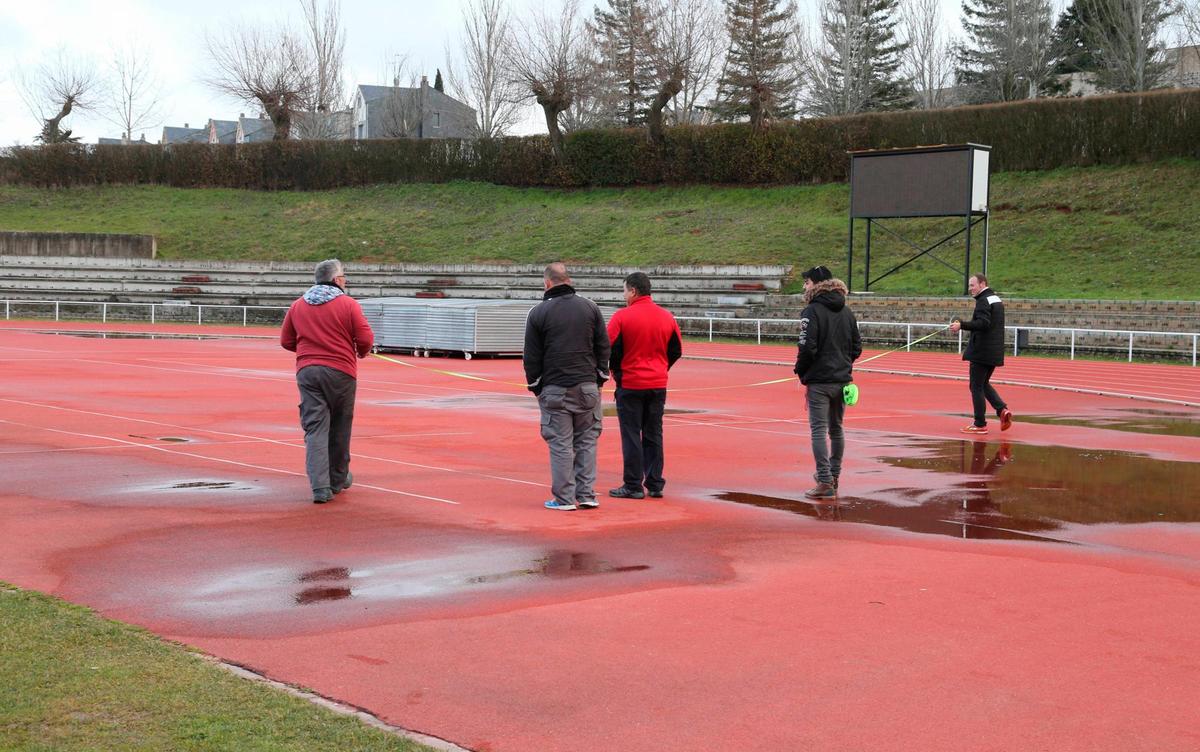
{"points": [[625, 493], [1005, 419], [561, 506], [974, 429], [322, 495], [834, 483], [587, 503], [821, 491], [346, 484]]}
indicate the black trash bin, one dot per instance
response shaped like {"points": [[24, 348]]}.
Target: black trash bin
{"points": [[1022, 341]]}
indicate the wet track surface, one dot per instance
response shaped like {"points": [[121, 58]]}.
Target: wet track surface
{"points": [[1036, 589]]}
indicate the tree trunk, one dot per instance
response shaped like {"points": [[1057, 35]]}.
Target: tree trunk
{"points": [[552, 104], [654, 119]]}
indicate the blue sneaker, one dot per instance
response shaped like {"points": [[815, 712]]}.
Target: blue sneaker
{"points": [[556, 504]]}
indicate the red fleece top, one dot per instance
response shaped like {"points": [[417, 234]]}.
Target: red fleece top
{"points": [[333, 334], [646, 342]]}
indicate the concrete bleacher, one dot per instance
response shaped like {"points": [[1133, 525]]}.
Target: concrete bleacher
{"points": [[688, 290]]}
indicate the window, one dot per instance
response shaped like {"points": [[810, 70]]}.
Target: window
{"points": [[437, 120]]}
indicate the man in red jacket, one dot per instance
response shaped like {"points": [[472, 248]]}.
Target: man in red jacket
{"points": [[645, 343], [328, 332]]}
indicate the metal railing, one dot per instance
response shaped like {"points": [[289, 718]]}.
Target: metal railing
{"points": [[1093, 340], [166, 312], [1074, 339]]}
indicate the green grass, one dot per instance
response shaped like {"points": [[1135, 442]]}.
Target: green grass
{"points": [[1099, 232], [70, 680]]}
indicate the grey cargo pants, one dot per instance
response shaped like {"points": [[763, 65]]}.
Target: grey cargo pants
{"points": [[571, 423]]}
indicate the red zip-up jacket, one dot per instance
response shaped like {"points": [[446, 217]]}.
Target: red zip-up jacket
{"points": [[334, 334], [645, 343]]}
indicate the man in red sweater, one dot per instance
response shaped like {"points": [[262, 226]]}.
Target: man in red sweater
{"points": [[645, 343], [328, 332]]}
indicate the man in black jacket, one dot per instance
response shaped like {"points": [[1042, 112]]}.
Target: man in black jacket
{"points": [[985, 352], [566, 362], [829, 344]]}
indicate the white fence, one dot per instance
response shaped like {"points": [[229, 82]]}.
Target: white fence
{"points": [[1070, 340], [1157, 345]]}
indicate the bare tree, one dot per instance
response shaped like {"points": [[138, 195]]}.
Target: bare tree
{"points": [[927, 59], [134, 99], [1189, 22], [486, 34], [326, 41], [548, 58], [687, 46], [404, 109], [1126, 38], [269, 68], [57, 87]]}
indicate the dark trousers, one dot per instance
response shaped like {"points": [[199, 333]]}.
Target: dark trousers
{"points": [[326, 413], [826, 408], [640, 414], [981, 389]]}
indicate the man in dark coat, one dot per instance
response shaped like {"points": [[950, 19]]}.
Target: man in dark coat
{"points": [[566, 363], [829, 344], [985, 353]]}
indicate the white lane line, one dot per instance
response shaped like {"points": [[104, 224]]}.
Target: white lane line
{"points": [[215, 459], [268, 441]]}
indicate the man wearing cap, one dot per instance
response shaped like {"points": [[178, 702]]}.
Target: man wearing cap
{"points": [[829, 344], [566, 362], [985, 353], [328, 332], [646, 342]]}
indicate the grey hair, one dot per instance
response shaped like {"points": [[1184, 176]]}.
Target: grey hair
{"points": [[327, 270]]}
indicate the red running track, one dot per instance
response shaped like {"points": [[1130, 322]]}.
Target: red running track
{"points": [[1035, 592]]}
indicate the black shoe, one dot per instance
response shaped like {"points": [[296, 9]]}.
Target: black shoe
{"points": [[654, 494], [348, 482], [625, 493], [322, 495]]}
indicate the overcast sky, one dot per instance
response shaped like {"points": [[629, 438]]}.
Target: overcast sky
{"points": [[172, 33]]}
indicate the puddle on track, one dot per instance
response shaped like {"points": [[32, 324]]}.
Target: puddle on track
{"points": [[1162, 422], [86, 334], [553, 565], [1021, 492]]}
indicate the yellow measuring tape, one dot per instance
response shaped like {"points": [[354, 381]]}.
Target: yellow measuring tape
{"points": [[472, 377]]}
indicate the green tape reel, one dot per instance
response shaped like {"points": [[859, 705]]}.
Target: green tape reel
{"points": [[850, 394]]}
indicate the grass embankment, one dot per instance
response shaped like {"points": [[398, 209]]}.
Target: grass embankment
{"points": [[70, 680], [1100, 232]]}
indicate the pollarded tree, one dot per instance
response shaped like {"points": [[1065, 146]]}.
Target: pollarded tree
{"points": [[624, 41], [1008, 53], [56, 88], [758, 81]]}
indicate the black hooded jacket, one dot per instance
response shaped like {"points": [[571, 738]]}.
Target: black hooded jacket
{"points": [[566, 342], [986, 345], [829, 339]]}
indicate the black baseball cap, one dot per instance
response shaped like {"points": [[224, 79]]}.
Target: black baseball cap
{"points": [[817, 274]]}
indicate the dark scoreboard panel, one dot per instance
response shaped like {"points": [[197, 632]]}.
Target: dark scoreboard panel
{"points": [[922, 182]]}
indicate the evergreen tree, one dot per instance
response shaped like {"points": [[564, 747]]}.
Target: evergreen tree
{"points": [[1072, 50], [437, 81], [624, 40], [758, 80], [1008, 53], [857, 69]]}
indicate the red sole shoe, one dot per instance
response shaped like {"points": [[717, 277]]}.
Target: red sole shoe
{"points": [[1005, 419]]}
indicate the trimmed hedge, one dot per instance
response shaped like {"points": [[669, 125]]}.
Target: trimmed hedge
{"points": [[1032, 135]]}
